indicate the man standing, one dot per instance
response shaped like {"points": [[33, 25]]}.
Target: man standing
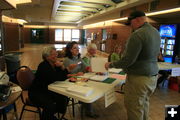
{"points": [[139, 61]]}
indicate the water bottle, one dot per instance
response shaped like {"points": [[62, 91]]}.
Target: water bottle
{"points": [[176, 59]]}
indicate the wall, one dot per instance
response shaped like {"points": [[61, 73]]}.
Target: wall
{"points": [[49, 35], [11, 36], [120, 31]]}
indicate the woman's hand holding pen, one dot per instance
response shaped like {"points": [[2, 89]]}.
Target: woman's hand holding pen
{"points": [[71, 67]]}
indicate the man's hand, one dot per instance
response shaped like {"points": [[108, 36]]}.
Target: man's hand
{"points": [[107, 65]]}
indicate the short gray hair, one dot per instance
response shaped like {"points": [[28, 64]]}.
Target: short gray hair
{"points": [[92, 46], [47, 51]]}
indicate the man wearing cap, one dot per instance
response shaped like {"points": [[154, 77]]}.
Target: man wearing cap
{"points": [[139, 61]]}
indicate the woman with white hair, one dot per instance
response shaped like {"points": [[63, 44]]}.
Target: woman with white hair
{"points": [[91, 52], [49, 71]]}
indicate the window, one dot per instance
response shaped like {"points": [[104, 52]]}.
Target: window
{"points": [[58, 35], [67, 34], [75, 35]]}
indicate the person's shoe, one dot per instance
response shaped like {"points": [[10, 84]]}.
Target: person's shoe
{"points": [[92, 115]]}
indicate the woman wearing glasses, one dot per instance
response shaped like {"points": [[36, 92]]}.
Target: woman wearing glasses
{"points": [[74, 57]]}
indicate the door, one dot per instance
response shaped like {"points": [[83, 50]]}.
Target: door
{"points": [[37, 36]]}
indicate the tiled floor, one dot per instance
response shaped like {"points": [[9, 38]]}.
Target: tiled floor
{"points": [[162, 96]]}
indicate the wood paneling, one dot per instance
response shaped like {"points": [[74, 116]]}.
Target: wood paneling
{"points": [[122, 32], [11, 36]]}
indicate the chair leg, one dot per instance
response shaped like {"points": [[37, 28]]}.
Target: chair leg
{"points": [[40, 114], [22, 112]]}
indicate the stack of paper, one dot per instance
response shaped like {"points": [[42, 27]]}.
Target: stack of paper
{"points": [[80, 90], [114, 70], [62, 84], [120, 77], [98, 78], [87, 75]]}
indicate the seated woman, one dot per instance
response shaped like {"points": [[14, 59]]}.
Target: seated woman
{"points": [[116, 55], [91, 52], [49, 71], [73, 57]]}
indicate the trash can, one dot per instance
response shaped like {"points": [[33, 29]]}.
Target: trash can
{"points": [[12, 62]]}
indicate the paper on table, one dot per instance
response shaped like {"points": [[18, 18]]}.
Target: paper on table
{"points": [[80, 90], [114, 70], [98, 77], [87, 75], [62, 84], [98, 64], [175, 72], [120, 77]]}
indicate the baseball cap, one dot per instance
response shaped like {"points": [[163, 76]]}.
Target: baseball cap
{"points": [[134, 15]]}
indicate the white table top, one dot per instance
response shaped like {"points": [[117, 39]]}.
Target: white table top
{"points": [[167, 66], [99, 90]]}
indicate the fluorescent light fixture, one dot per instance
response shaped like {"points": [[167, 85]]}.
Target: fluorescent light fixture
{"points": [[13, 20], [15, 2], [119, 19], [35, 26], [152, 13], [163, 12]]}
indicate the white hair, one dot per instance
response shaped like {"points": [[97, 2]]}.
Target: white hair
{"points": [[47, 51], [92, 46]]}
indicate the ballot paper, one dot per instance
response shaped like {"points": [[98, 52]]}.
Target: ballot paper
{"points": [[117, 76], [99, 78], [98, 64], [114, 70], [62, 84], [87, 75], [80, 90]]}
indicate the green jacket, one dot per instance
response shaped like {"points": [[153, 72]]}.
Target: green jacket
{"points": [[142, 48]]}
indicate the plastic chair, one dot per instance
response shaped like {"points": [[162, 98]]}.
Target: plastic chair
{"points": [[25, 78]]}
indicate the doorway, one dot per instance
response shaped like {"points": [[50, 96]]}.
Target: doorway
{"points": [[37, 36]]}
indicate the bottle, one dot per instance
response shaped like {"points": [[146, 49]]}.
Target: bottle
{"points": [[176, 59]]}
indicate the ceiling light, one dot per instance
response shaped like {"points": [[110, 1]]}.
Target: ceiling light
{"points": [[163, 12], [15, 2]]}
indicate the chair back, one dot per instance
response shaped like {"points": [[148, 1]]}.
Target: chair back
{"points": [[25, 77]]}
